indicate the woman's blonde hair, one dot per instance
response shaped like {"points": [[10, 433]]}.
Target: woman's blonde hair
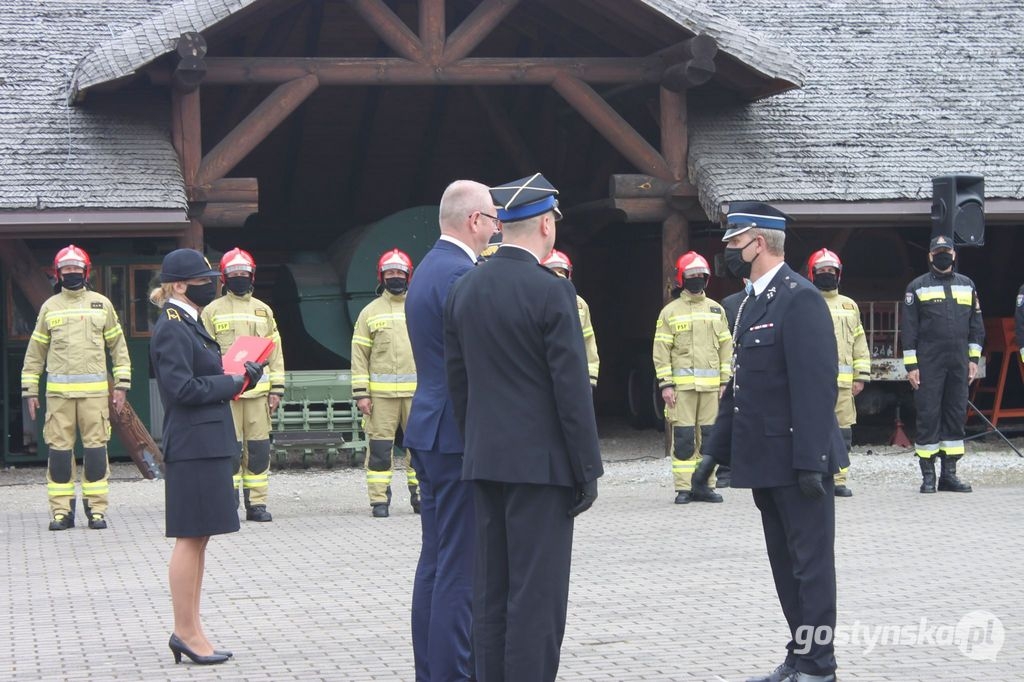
{"points": [[161, 294]]}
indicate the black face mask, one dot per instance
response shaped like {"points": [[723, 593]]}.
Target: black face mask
{"points": [[396, 285], [239, 286], [202, 294], [942, 260], [72, 281], [694, 285], [826, 281], [735, 263]]}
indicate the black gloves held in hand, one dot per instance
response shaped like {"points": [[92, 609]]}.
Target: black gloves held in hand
{"points": [[585, 496], [253, 372], [810, 484]]}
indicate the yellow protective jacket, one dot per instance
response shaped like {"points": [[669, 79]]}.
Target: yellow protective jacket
{"points": [[231, 316], [692, 344], [854, 356], [72, 332], [589, 340], [382, 363]]}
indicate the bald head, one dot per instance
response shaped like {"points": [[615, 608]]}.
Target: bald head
{"points": [[460, 215]]}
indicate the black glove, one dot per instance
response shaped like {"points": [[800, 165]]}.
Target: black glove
{"points": [[585, 496], [810, 484], [702, 474], [253, 372]]}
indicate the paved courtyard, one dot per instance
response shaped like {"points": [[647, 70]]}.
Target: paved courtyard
{"points": [[659, 591]]}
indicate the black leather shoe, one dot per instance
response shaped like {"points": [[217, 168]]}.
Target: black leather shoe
{"points": [[683, 497], [97, 522], [783, 673], [179, 647], [415, 502], [61, 522], [843, 491], [702, 493], [807, 677], [380, 510], [258, 512]]}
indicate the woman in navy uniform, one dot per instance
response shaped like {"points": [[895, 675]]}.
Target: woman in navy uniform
{"points": [[198, 442]]}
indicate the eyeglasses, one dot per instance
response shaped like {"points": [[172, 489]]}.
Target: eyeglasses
{"points": [[492, 217]]}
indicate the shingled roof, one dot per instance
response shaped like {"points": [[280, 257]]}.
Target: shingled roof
{"points": [[898, 91], [113, 153]]}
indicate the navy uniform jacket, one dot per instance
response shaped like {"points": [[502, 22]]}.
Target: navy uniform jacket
{"points": [[193, 388], [731, 303], [518, 375], [431, 424], [1018, 319], [778, 413]]}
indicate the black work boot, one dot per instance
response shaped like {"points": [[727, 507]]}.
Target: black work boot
{"points": [[948, 480], [97, 522], [927, 473], [843, 491], [704, 494], [414, 499], [61, 521], [380, 510], [683, 497], [258, 512], [71, 514], [700, 491]]}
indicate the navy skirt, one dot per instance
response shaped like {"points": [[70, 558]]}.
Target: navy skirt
{"points": [[200, 497]]}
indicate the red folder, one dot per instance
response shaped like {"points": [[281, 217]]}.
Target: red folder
{"points": [[246, 349]]}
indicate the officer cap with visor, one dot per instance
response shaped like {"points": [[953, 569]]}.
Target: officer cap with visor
{"points": [[182, 265], [744, 215], [940, 242], [525, 198]]}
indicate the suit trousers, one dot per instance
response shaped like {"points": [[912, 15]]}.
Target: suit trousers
{"points": [[443, 588], [521, 582], [800, 536]]}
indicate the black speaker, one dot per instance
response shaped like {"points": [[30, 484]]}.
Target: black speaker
{"points": [[958, 209]]}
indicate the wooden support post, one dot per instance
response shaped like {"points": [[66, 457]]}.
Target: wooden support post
{"points": [[193, 237], [477, 26], [615, 129], [390, 28], [186, 136], [675, 231], [432, 29], [21, 266], [512, 143], [254, 128]]}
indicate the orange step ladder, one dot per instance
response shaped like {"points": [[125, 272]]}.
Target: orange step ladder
{"points": [[999, 340]]}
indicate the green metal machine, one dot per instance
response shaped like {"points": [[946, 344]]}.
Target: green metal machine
{"points": [[318, 421]]}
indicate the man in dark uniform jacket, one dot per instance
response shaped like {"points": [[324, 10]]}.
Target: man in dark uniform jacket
{"points": [[777, 426], [442, 591], [520, 387]]}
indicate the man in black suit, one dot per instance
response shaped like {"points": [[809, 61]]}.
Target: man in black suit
{"points": [[776, 425], [517, 372]]}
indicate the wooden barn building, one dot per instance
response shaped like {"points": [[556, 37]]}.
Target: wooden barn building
{"points": [[317, 133]]}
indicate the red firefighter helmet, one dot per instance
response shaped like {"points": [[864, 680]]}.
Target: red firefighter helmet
{"points": [[394, 260], [72, 255], [237, 260], [823, 258], [689, 264], [557, 259]]}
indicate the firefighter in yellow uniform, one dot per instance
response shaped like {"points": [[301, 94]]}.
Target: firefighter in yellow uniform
{"points": [[825, 270], [692, 363], [239, 313], [74, 330], [384, 379], [560, 264]]}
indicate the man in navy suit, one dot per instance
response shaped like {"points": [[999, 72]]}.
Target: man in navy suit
{"points": [[520, 387], [442, 592], [776, 425]]}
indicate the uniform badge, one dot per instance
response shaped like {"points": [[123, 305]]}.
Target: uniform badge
{"points": [[715, 309], [849, 306], [771, 293], [260, 312], [172, 314], [909, 298], [1020, 300], [96, 304]]}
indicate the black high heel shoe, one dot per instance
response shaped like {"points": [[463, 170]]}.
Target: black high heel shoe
{"points": [[179, 647]]}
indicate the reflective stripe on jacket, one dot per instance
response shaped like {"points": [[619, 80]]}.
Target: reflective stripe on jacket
{"points": [[382, 362], [692, 344], [854, 356]]}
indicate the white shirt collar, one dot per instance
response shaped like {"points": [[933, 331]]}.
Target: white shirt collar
{"points": [[764, 280], [521, 248], [193, 313], [461, 245]]}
